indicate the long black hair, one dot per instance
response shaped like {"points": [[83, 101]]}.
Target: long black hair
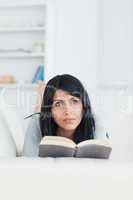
{"points": [[74, 87]]}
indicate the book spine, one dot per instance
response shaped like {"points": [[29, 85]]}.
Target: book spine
{"points": [[75, 152]]}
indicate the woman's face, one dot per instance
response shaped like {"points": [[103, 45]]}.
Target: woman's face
{"points": [[67, 112]]}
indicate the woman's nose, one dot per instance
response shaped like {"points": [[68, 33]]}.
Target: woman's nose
{"points": [[67, 107]]}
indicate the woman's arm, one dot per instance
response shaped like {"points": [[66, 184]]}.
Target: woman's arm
{"points": [[32, 138]]}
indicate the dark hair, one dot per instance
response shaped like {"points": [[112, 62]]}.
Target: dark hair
{"points": [[74, 87]]}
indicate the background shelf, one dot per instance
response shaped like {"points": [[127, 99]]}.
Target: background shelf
{"points": [[22, 39], [21, 29]]}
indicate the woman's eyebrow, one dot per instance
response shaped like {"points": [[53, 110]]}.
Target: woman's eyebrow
{"points": [[58, 100], [65, 99]]}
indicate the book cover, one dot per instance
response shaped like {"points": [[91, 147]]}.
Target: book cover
{"points": [[56, 146], [39, 75]]}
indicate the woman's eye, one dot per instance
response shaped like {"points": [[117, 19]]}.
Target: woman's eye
{"points": [[57, 104], [75, 101]]}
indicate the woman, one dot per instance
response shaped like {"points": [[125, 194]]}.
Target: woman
{"points": [[65, 111]]}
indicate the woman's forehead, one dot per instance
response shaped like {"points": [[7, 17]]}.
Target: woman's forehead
{"points": [[61, 94]]}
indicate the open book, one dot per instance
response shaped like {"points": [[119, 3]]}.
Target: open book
{"points": [[57, 146]]}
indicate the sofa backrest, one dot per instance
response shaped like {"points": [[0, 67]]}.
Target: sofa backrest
{"points": [[110, 114]]}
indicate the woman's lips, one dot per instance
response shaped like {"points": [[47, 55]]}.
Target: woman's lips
{"points": [[69, 120]]}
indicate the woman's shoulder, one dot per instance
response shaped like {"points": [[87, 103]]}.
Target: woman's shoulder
{"points": [[33, 121], [101, 131], [33, 117]]}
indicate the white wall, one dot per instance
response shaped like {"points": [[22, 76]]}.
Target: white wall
{"points": [[81, 27], [117, 36], [76, 39]]}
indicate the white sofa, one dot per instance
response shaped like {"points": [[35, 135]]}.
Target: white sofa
{"points": [[65, 178], [57, 178]]}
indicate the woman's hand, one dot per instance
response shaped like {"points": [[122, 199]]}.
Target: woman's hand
{"points": [[40, 92]]}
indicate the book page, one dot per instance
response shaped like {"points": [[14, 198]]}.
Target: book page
{"points": [[105, 142], [58, 141]]}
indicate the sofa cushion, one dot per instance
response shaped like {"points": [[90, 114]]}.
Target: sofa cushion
{"points": [[15, 123], [65, 178], [7, 144]]}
